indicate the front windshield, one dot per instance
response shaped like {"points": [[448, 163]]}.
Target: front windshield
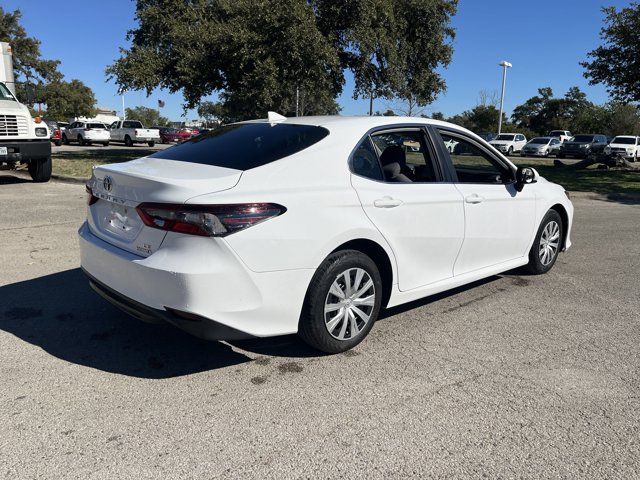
{"points": [[624, 140], [505, 137], [583, 138], [5, 94], [540, 141]]}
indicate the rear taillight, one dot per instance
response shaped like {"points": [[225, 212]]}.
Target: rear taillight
{"points": [[91, 198], [207, 220]]}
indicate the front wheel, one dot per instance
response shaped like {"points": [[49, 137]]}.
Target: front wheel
{"points": [[547, 244], [151, 144], [106, 144], [40, 169], [65, 140], [510, 151], [342, 302], [57, 143]]}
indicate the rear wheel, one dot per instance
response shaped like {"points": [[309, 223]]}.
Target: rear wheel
{"points": [[510, 151], [57, 143], [151, 144], [106, 144], [40, 169], [127, 141], [547, 244], [342, 303]]}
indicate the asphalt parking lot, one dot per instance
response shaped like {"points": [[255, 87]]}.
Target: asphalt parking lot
{"points": [[515, 376]]}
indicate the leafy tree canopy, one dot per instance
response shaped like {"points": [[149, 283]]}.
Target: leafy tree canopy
{"points": [[262, 55], [616, 63], [27, 61], [148, 116], [66, 100], [543, 112]]}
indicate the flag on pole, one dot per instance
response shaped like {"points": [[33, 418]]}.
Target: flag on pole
{"points": [[160, 103]]}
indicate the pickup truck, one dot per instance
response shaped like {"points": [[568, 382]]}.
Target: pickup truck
{"points": [[132, 131]]}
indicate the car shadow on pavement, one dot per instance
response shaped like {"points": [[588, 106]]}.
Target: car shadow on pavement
{"points": [[62, 315], [12, 180]]}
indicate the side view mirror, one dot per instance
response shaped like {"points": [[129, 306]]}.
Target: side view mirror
{"points": [[524, 176]]}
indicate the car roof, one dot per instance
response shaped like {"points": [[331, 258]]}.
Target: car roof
{"points": [[625, 136]]}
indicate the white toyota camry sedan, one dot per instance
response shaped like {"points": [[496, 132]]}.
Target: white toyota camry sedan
{"points": [[312, 225]]}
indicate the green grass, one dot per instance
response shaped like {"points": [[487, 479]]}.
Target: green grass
{"points": [[585, 180], [80, 163]]}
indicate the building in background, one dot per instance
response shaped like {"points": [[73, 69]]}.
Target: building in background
{"points": [[103, 115]]}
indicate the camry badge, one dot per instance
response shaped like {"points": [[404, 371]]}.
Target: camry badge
{"points": [[107, 183]]}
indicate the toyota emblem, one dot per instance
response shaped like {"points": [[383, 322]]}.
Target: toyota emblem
{"points": [[107, 183]]}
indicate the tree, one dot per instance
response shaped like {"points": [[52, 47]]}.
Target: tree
{"points": [[28, 64], [264, 57], [616, 63], [148, 116], [66, 100], [543, 112], [437, 116], [211, 112]]}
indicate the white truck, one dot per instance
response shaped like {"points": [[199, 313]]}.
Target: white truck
{"points": [[23, 140], [132, 131]]}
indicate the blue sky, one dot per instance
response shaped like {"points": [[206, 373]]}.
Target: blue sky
{"points": [[544, 40]]}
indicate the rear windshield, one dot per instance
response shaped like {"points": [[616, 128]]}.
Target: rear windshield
{"points": [[583, 138], [131, 124], [540, 141], [96, 125], [556, 133], [246, 145], [505, 137], [624, 140]]}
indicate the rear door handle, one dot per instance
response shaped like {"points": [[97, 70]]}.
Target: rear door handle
{"points": [[474, 198], [387, 202]]}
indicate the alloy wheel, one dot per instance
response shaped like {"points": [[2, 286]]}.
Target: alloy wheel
{"points": [[349, 304], [549, 242]]}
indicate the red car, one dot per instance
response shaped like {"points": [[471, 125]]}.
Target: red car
{"points": [[173, 135], [54, 130]]}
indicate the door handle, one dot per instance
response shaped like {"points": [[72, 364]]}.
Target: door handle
{"points": [[387, 202], [474, 198]]}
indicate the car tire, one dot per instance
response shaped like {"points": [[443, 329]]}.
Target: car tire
{"points": [[151, 144], [80, 140], [65, 140], [40, 169], [510, 152], [57, 143], [355, 308], [127, 141], [106, 144], [560, 155], [547, 244]]}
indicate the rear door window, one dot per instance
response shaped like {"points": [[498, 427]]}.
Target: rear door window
{"points": [[244, 146]]}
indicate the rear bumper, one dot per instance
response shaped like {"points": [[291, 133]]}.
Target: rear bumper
{"points": [[193, 324], [197, 284], [23, 151]]}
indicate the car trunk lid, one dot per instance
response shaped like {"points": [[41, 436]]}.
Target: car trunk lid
{"points": [[119, 188]]}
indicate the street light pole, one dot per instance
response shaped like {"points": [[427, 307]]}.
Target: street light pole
{"points": [[504, 64]]}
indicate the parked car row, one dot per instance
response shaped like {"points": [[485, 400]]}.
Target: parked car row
{"points": [[129, 132], [563, 144]]}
